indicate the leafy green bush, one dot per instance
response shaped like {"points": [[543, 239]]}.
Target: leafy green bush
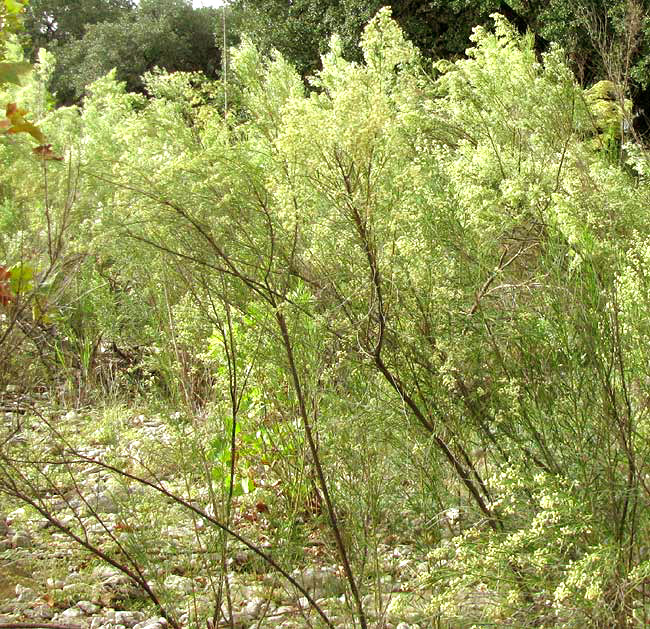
{"points": [[401, 291]]}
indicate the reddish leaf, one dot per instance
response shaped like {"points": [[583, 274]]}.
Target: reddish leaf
{"points": [[5, 290], [45, 152], [251, 517]]}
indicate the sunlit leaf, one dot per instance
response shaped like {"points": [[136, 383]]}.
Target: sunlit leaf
{"points": [[15, 123], [28, 127], [14, 6], [20, 278]]}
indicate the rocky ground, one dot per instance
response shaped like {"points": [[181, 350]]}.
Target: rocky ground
{"points": [[46, 578]]}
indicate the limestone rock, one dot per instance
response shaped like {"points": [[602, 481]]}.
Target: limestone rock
{"points": [[88, 608], [25, 594], [128, 619]]}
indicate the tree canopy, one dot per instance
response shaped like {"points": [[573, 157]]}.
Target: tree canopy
{"points": [[94, 37], [50, 21], [601, 38]]}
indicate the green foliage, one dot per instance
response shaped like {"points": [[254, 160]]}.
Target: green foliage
{"points": [[59, 21], [20, 82], [11, 13], [13, 72], [603, 39], [550, 560], [157, 33], [434, 270]]}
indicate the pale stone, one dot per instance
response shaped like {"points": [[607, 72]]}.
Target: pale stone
{"points": [[71, 613], [25, 594], [254, 607], [128, 619], [21, 540], [88, 608], [182, 584]]}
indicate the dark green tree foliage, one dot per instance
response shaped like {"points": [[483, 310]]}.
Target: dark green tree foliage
{"points": [[166, 33], [49, 21], [600, 37], [597, 33], [301, 29]]}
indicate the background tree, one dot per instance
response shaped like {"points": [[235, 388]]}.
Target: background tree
{"points": [[103, 35], [595, 34], [58, 21], [301, 30]]}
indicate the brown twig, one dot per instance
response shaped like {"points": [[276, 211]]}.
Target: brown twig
{"points": [[334, 524]]}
